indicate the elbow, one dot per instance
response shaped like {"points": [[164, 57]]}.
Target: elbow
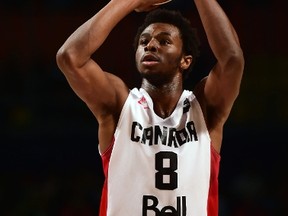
{"points": [[64, 59], [239, 60], [234, 58], [238, 56], [69, 59]]}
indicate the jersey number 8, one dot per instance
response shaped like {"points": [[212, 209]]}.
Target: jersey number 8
{"points": [[166, 164]]}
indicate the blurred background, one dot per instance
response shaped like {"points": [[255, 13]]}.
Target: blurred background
{"points": [[49, 161]]}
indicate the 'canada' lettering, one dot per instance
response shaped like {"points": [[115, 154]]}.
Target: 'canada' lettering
{"points": [[156, 134]]}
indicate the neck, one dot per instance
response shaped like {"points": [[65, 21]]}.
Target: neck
{"points": [[165, 97]]}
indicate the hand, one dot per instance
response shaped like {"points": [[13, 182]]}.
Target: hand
{"points": [[148, 5]]}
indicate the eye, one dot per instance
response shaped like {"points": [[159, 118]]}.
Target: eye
{"points": [[165, 42], [143, 41]]}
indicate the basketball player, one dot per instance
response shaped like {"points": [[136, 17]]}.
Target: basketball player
{"points": [[160, 144]]}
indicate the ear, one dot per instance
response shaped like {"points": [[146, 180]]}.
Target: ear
{"points": [[186, 60]]}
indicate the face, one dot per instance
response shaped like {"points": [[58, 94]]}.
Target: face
{"points": [[159, 52]]}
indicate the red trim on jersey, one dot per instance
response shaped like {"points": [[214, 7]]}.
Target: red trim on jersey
{"points": [[212, 205], [105, 163]]}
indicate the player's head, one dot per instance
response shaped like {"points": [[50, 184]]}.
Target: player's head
{"points": [[187, 33]]}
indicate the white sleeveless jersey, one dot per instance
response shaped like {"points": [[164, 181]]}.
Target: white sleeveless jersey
{"points": [[156, 166]]}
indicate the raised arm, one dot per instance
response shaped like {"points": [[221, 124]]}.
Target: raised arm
{"points": [[85, 76], [218, 91], [103, 92], [100, 90]]}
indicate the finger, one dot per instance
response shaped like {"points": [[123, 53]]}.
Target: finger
{"points": [[161, 3], [146, 9]]}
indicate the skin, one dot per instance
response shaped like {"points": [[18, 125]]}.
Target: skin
{"points": [[105, 94], [162, 78]]}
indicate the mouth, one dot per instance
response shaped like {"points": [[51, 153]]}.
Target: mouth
{"points": [[149, 58]]}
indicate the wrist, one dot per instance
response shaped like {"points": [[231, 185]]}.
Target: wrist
{"points": [[126, 5]]}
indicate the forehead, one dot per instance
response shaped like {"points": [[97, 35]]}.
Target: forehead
{"points": [[161, 28]]}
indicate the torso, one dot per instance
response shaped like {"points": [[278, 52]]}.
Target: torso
{"points": [[157, 164]]}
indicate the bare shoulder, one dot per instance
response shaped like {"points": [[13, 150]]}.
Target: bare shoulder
{"points": [[121, 89], [112, 98], [108, 114], [199, 93], [213, 121]]}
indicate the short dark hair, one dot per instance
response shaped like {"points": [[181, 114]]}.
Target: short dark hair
{"points": [[187, 32]]}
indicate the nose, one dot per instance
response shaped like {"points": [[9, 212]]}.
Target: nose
{"points": [[151, 45]]}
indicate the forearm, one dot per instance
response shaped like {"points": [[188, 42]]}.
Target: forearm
{"points": [[221, 35], [91, 35]]}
